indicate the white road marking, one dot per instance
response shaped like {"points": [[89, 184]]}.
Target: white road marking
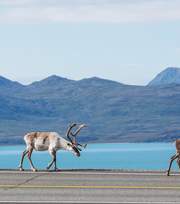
{"points": [[86, 202], [93, 173]]}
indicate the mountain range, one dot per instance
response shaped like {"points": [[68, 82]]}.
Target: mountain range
{"points": [[114, 112]]}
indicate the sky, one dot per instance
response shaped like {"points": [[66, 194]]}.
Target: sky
{"points": [[129, 41]]}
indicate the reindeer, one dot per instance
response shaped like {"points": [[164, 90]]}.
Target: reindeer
{"points": [[51, 141], [175, 156]]}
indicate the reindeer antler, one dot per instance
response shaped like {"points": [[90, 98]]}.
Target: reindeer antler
{"points": [[75, 134], [78, 130], [69, 131], [73, 140]]}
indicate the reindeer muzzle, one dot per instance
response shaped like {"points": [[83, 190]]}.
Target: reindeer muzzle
{"points": [[76, 151]]}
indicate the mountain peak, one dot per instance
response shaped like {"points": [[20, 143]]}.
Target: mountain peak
{"points": [[170, 75], [99, 81], [55, 77], [172, 69], [4, 82], [52, 80]]}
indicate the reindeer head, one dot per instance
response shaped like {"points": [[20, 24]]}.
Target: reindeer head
{"points": [[74, 145]]}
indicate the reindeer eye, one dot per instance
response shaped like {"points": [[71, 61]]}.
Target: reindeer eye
{"points": [[68, 144]]}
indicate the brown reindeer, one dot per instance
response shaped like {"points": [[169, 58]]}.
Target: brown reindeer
{"points": [[175, 156], [51, 141]]}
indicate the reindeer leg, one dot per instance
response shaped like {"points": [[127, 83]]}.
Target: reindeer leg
{"points": [[22, 159], [178, 161], [171, 161], [53, 154], [55, 165], [29, 157]]}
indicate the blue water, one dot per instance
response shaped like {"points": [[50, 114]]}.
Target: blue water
{"points": [[137, 156]]}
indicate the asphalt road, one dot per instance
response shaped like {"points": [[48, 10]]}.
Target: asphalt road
{"points": [[89, 187]]}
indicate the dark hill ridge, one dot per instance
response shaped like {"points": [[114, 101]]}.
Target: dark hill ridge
{"points": [[113, 111]]}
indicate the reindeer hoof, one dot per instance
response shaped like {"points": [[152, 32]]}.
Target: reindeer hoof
{"points": [[21, 169], [34, 170]]}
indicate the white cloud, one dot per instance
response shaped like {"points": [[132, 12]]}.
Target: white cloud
{"points": [[116, 11]]}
